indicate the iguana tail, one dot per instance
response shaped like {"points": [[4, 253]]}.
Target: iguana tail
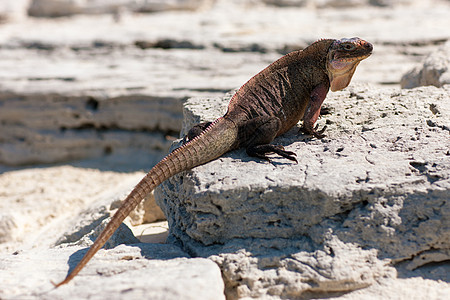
{"points": [[219, 138]]}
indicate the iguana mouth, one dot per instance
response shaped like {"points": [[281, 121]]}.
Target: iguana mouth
{"points": [[351, 58], [356, 57], [340, 63]]}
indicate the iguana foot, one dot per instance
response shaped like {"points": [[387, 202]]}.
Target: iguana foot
{"points": [[308, 129], [260, 151], [195, 131]]}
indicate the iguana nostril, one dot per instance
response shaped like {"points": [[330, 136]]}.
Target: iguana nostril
{"points": [[368, 46]]}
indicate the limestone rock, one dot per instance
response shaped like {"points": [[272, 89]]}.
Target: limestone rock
{"points": [[379, 158], [406, 288], [146, 212], [58, 8], [107, 84], [86, 235], [434, 70], [72, 211], [8, 228], [135, 271], [339, 3], [286, 3], [284, 274], [380, 180], [50, 215], [12, 10], [162, 5], [34, 202], [75, 127]]}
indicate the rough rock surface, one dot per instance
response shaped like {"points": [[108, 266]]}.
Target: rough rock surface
{"points": [[434, 70], [379, 181], [106, 91], [51, 224], [34, 201], [133, 272], [75, 127]]}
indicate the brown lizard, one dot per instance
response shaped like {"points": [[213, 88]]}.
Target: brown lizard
{"points": [[291, 89]]}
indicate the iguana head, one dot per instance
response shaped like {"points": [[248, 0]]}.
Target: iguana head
{"points": [[344, 56]]}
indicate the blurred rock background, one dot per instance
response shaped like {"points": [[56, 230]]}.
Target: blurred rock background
{"points": [[97, 82], [90, 89]]}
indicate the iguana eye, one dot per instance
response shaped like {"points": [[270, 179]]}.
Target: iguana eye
{"points": [[348, 46]]}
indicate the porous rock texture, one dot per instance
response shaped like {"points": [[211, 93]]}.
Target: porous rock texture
{"points": [[150, 269], [102, 86], [41, 239], [373, 193]]}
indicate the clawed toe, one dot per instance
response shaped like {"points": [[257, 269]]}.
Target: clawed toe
{"points": [[289, 155], [314, 131], [260, 151]]}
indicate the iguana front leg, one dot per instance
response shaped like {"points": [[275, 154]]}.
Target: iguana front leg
{"points": [[313, 111]]}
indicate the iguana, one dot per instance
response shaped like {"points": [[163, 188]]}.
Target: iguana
{"points": [[291, 89]]}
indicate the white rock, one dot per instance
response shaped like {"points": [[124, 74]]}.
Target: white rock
{"points": [[146, 212], [286, 3], [380, 180], [135, 271], [64, 206], [406, 288], [39, 205], [434, 70], [71, 128], [58, 8], [287, 274], [13, 10], [98, 57], [8, 228], [339, 3]]}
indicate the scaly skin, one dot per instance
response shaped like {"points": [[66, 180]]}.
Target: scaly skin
{"points": [[291, 89]]}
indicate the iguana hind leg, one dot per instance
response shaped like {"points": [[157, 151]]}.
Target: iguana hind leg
{"points": [[258, 133], [195, 131]]}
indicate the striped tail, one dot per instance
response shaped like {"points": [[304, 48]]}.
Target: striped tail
{"points": [[219, 138]]}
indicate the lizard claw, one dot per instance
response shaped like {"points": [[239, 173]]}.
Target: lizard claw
{"points": [[279, 149], [314, 131], [260, 151], [320, 132]]}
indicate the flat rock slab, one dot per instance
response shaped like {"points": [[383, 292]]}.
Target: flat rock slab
{"points": [[39, 205], [135, 271], [379, 180], [49, 216]]}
